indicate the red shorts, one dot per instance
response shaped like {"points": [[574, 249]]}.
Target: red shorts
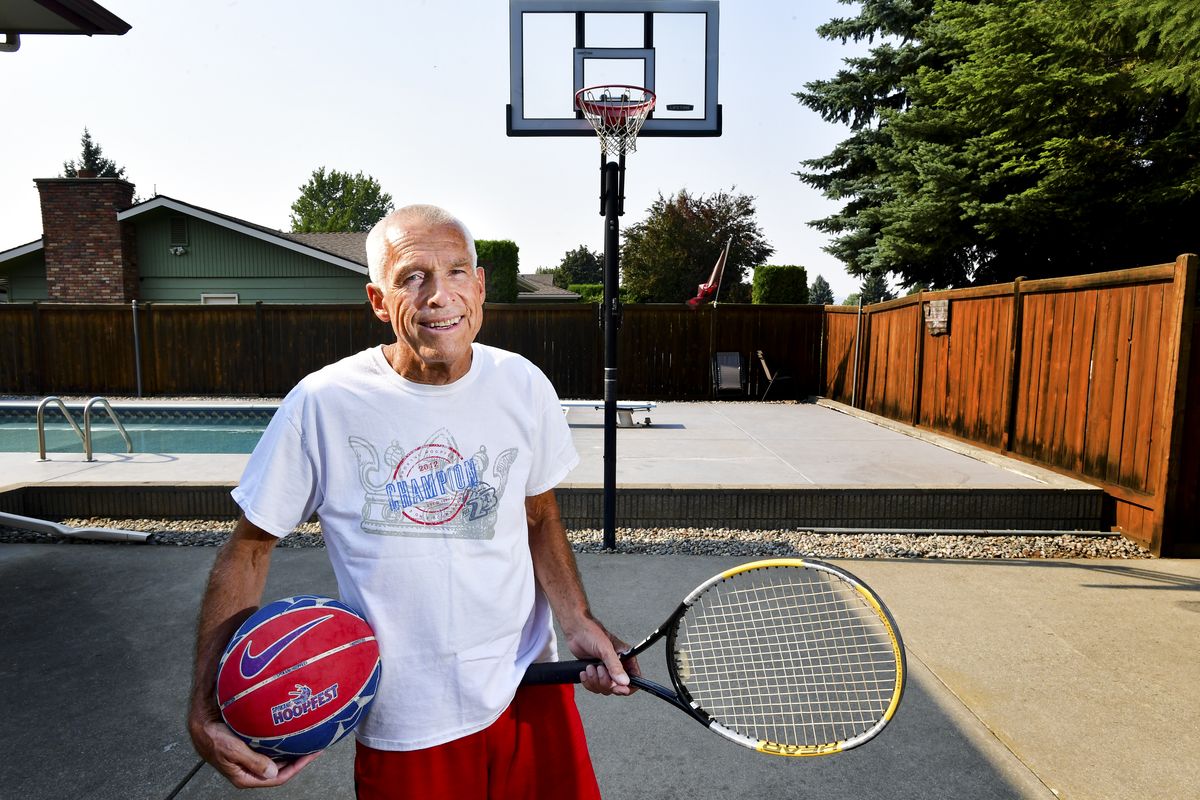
{"points": [[536, 750]]}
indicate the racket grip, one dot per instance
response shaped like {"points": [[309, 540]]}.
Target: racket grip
{"points": [[556, 672]]}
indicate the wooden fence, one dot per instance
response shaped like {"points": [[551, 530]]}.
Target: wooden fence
{"points": [[1086, 375], [665, 351]]}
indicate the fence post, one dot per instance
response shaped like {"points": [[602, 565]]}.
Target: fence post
{"points": [[1167, 529], [1009, 413], [857, 336], [919, 365], [262, 360], [39, 373], [137, 348]]}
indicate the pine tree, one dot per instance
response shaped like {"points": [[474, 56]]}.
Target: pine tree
{"points": [[995, 138], [875, 289], [92, 163], [820, 292]]}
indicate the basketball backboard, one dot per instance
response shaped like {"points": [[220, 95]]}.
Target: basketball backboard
{"points": [[557, 47]]}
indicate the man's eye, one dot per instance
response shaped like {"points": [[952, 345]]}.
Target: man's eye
{"points": [[413, 279]]}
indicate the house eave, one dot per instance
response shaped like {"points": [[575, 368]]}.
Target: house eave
{"points": [[22, 250], [278, 240]]}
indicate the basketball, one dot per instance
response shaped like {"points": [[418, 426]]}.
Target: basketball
{"points": [[298, 675]]}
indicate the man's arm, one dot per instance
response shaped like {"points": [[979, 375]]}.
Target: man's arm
{"points": [[234, 591], [556, 572]]}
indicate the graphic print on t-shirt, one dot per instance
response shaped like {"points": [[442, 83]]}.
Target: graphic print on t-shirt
{"points": [[432, 490]]}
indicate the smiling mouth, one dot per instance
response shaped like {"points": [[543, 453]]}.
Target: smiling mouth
{"points": [[441, 324]]}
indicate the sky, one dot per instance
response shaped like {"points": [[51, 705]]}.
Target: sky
{"points": [[231, 106]]}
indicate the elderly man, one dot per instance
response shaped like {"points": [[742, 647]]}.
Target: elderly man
{"points": [[458, 579]]}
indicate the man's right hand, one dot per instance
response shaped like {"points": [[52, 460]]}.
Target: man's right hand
{"points": [[240, 765], [234, 590]]}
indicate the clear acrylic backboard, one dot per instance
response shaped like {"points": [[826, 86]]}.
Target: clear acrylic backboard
{"points": [[557, 47]]}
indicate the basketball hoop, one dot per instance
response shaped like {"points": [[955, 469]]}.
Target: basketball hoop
{"points": [[617, 113]]}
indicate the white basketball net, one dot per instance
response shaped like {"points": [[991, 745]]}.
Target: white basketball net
{"points": [[617, 114]]}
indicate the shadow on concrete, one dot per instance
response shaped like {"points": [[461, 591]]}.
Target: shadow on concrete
{"points": [[1147, 578], [97, 660]]}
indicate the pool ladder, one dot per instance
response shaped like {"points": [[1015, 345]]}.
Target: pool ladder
{"points": [[86, 434]]}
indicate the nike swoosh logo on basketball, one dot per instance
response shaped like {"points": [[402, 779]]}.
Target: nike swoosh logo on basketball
{"points": [[251, 665]]}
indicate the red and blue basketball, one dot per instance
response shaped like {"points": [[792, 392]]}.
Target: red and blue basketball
{"points": [[298, 675]]}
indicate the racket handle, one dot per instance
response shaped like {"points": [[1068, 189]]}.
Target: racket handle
{"points": [[556, 672]]}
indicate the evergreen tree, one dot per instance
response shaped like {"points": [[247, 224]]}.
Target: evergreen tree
{"points": [[338, 201], [875, 289], [1032, 137], [820, 292], [92, 162]]}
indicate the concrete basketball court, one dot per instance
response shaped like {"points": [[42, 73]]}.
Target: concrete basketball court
{"points": [[1071, 679], [1029, 679]]}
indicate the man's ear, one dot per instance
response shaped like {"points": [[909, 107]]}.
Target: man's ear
{"points": [[375, 296], [481, 276]]}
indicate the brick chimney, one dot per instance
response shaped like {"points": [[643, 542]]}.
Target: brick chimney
{"points": [[90, 256]]}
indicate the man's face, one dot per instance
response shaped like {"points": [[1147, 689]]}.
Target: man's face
{"points": [[433, 299]]}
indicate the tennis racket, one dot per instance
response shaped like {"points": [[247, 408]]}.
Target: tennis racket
{"points": [[791, 657]]}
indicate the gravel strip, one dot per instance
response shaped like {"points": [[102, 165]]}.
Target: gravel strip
{"points": [[680, 541]]}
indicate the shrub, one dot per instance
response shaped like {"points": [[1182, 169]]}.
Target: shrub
{"points": [[500, 260], [780, 284]]}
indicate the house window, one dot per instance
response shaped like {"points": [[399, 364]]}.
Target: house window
{"points": [[179, 231], [207, 299]]}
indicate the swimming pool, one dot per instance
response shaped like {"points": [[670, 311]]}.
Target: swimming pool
{"points": [[154, 427]]}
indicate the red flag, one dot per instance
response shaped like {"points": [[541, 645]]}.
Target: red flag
{"points": [[708, 291]]}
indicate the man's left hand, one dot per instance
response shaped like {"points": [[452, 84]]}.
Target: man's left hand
{"points": [[612, 676]]}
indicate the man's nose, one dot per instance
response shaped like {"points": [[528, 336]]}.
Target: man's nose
{"points": [[437, 290]]}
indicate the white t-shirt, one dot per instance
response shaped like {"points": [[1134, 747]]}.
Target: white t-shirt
{"points": [[421, 495]]}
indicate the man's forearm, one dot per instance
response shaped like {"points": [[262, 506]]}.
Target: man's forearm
{"points": [[234, 591], [554, 562]]}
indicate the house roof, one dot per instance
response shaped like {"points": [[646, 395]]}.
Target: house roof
{"points": [[59, 16], [541, 287], [346, 250], [286, 240], [20, 250], [350, 246]]}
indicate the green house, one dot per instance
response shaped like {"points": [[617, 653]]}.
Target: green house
{"points": [[98, 247]]}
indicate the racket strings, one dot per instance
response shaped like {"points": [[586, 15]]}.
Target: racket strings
{"points": [[789, 655]]}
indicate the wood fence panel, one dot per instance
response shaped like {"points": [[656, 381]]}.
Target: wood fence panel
{"points": [[295, 340], [838, 353], [1135, 465], [788, 336], [1121, 329], [87, 349], [664, 352], [562, 340], [19, 345], [206, 350], [1070, 451], [891, 374], [964, 372]]}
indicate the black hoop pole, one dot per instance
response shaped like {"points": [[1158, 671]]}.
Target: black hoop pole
{"points": [[611, 315]]}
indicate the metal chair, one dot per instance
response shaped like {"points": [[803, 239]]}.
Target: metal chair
{"points": [[729, 374], [772, 376]]}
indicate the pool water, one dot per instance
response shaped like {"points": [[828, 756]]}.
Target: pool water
{"points": [[147, 438], [153, 430]]}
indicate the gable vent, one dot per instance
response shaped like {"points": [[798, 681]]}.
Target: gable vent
{"points": [[179, 232]]}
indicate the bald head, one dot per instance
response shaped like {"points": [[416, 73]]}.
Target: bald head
{"points": [[389, 230]]}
